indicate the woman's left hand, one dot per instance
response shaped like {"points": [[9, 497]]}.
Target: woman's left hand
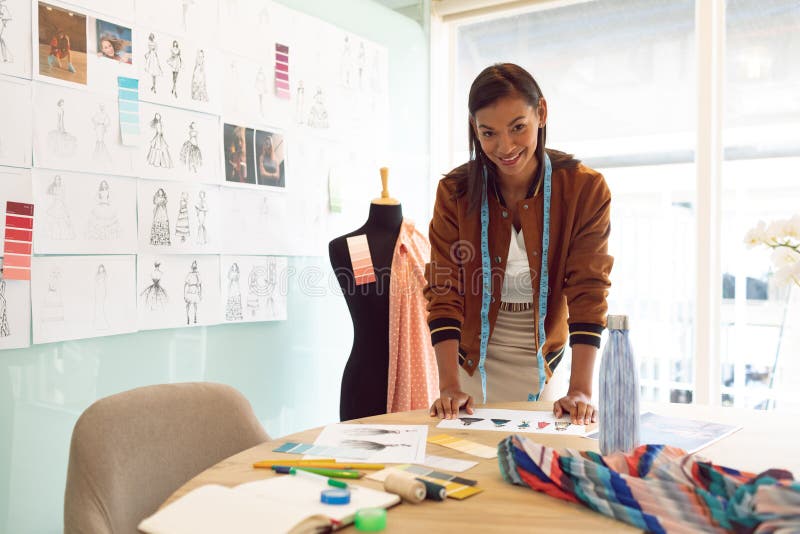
{"points": [[578, 405]]}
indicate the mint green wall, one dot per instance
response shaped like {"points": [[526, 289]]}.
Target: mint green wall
{"points": [[290, 371]]}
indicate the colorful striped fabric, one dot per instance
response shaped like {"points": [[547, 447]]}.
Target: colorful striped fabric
{"points": [[657, 488]]}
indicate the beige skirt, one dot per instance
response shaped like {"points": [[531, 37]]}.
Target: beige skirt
{"points": [[512, 371]]}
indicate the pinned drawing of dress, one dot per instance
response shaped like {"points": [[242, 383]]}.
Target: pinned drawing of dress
{"points": [[60, 141], [59, 225], [158, 155], [175, 63], [159, 230], [53, 306], [261, 88], [199, 91], [192, 293], [318, 114], [256, 283], [201, 209], [101, 122], [100, 295], [155, 296], [5, 18], [5, 331], [191, 156], [151, 63], [182, 224], [233, 308], [103, 221]]}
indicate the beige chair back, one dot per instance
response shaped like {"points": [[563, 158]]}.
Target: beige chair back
{"points": [[131, 451]]}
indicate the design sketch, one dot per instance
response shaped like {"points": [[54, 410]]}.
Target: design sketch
{"points": [[466, 421], [367, 431], [191, 156], [101, 122], [53, 306], [152, 65], [158, 155], [186, 8], [562, 425], [362, 64], [261, 283], [182, 224], [318, 114], [192, 293], [175, 63], [201, 210], [103, 221], [233, 308], [159, 230], [300, 103], [100, 298], [261, 88], [60, 141], [524, 424], [542, 424], [155, 296], [5, 18], [199, 91], [346, 66], [499, 423], [59, 225], [5, 331], [233, 74], [370, 445]]}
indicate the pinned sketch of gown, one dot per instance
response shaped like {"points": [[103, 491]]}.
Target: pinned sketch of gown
{"points": [[5, 18], [60, 142], [5, 331], [201, 209], [233, 308], [256, 282], [100, 295], [159, 230], [151, 63], [101, 122], [155, 296], [53, 306], [261, 88], [199, 91], [103, 221], [318, 114], [182, 224], [158, 155], [191, 156], [59, 225]]}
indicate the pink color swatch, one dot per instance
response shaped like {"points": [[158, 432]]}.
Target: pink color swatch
{"points": [[361, 259]]}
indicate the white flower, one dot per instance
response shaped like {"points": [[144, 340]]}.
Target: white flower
{"points": [[784, 275], [793, 227], [776, 231], [756, 236], [785, 257]]}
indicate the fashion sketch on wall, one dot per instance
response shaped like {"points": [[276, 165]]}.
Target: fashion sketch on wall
{"points": [[152, 65], [155, 297], [158, 155], [159, 229], [175, 64], [60, 141], [5, 330], [201, 210], [199, 90], [59, 223], [192, 293], [100, 298], [103, 221], [254, 288], [15, 38], [6, 54], [182, 223], [101, 122], [233, 307], [53, 304], [191, 155]]}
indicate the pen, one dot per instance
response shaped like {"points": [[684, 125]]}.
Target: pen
{"points": [[323, 464], [333, 473], [314, 476], [270, 463]]}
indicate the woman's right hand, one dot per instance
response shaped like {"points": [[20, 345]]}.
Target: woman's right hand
{"points": [[450, 401]]}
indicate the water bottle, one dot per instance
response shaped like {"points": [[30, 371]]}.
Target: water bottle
{"points": [[619, 390]]}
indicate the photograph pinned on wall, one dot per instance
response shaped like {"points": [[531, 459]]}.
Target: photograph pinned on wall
{"points": [[111, 53], [79, 131], [15, 38], [179, 218], [15, 128], [76, 297], [239, 154], [255, 222], [178, 144], [84, 213], [177, 290], [184, 17], [254, 288], [270, 151], [60, 44], [175, 71]]}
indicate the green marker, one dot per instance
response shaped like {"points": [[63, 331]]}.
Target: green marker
{"points": [[334, 473], [315, 476]]}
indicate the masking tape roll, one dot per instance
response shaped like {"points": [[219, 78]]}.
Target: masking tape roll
{"points": [[406, 486]]}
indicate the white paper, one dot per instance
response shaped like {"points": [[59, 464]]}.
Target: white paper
{"points": [[175, 71], [186, 17], [15, 50], [79, 131], [513, 421], [248, 86], [76, 297], [256, 221], [175, 291], [15, 313], [179, 218], [248, 28], [254, 288], [83, 213], [15, 185], [15, 126], [448, 464], [401, 444], [178, 145]]}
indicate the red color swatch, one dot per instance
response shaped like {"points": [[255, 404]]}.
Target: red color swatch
{"points": [[17, 246]]}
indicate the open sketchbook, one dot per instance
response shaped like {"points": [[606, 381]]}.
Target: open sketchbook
{"points": [[280, 504]]}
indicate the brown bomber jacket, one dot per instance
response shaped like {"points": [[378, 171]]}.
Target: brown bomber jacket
{"points": [[578, 265]]}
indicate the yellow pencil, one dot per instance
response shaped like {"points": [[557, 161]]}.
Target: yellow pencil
{"points": [[325, 464]]}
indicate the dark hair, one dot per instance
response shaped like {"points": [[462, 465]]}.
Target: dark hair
{"points": [[493, 83]]}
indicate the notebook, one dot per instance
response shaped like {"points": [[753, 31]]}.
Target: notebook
{"points": [[279, 504]]}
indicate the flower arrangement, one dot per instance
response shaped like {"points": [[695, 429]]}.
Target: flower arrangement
{"points": [[783, 237]]}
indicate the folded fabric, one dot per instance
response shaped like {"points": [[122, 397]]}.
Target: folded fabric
{"points": [[657, 488]]}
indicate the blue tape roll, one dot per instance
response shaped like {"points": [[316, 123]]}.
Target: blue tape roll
{"points": [[335, 496]]}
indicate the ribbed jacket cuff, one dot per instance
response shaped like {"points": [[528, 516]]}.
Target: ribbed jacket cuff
{"points": [[444, 328], [585, 334]]}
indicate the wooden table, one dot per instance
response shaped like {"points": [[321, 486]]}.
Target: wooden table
{"points": [[508, 508]]}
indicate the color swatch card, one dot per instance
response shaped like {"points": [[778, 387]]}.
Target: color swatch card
{"points": [[360, 258], [128, 110], [464, 445], [322, 450], [18, 241], [516, 421], [282, 71], [455, 487]]}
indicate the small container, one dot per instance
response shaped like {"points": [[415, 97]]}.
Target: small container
{"points": [[619, 390], [335, 496], [370, 520]]}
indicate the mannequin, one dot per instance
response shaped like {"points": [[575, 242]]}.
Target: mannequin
{"points": [[365, 378]]}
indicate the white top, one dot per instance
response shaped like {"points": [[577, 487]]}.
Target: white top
{"points": [[517, 280]]}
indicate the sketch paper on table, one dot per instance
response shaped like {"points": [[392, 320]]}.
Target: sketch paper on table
{"points": [[15, 38], [179, 218], [255, 222], [175, 71], [514, 421], [15, 313], [15, 128], [382, 443], [76, 297], [84, 213], [78, 131], [448, 464], [59, 44], [178, 144], [187, 17], [175, 291], [110, 46], [254, 288]]}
